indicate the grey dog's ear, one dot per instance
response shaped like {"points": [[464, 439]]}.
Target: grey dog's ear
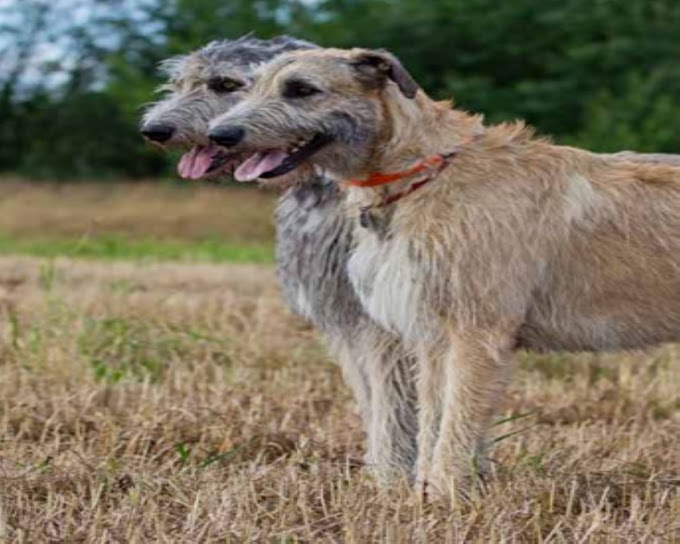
{"points": [[375, 67]]}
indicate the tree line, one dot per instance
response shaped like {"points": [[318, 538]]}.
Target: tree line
{"points": [[600, 74]]}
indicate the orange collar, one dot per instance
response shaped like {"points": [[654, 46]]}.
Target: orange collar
{"points": [[433, 165], [438, 161]]}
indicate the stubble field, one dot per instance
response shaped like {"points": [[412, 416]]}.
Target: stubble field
{"points": [[174, 399]]}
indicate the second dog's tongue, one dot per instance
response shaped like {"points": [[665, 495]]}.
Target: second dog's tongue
{"points": [[259, 163], [196, 162]]}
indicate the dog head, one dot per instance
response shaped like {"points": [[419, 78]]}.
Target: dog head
{"points": [[201, 86], [322, 107]]}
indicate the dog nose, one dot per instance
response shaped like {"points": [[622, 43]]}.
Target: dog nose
{"points": [[227, 136], [157, 132]]}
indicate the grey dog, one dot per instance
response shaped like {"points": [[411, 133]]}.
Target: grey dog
{"points": [[314, 241]]}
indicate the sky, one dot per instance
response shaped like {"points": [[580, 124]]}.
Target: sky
{"points": [[54, 51]]}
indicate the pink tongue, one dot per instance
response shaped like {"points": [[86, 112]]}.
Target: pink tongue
{"points": [[258, 164], [195, 163]]}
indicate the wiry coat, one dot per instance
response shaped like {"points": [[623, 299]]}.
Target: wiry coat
{"points": [[313, 243], [517, 243], [189, 104]]}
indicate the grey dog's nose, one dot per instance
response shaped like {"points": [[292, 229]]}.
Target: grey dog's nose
{"points": [[157, 132], [227, 136]]}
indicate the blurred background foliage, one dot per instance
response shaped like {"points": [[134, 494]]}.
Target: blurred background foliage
{"points": [[74, 74]]}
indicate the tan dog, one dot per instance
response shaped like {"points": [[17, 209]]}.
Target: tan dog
{"points": [[475, 240]]}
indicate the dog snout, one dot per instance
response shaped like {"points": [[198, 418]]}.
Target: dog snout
{"points": [[157, 132], [227, 136]]}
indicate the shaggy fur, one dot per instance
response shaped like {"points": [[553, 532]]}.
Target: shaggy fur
{"points": [[314, 239], [517, 243], [190, 104]]}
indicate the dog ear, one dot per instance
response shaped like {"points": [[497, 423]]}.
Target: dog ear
{"points": [[375, 67]]}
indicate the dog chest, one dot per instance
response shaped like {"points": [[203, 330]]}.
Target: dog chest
{"points": [[314, 241], [386, 279]]}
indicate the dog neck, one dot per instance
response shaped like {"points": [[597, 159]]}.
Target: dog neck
{"points": [[415, 130]]}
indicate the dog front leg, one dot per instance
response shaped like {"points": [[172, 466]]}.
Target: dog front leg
{"points": [[353, 364], [379, 371], [429, 391], [393, 425], [474, 371]]}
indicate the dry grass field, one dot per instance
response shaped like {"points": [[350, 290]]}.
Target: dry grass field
{"points": [[146, 401], [187, 211]]}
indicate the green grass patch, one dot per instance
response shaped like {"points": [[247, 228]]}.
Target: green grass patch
{"points": [[114, 247]]}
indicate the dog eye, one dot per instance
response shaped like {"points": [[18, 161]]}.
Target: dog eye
{"points": [[299, 89], [224, 85]]}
